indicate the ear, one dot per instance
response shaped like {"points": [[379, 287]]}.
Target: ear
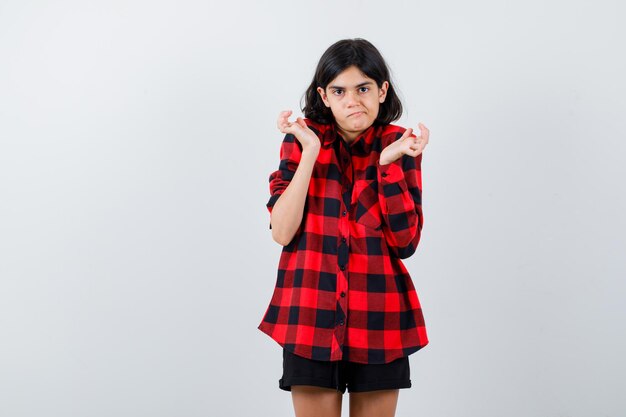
{"points": [[322, 94], [382, 92]]}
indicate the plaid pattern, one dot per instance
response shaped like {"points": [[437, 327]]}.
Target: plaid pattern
{"points": [[342, 291]]}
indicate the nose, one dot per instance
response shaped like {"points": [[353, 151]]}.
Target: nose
{"points": [[353, 99]]}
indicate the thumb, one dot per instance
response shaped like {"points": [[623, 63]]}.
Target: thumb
{"points": [[301, 122], [407, 133]]}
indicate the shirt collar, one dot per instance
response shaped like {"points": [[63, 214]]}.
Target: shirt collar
{"points": [[362, 145]]}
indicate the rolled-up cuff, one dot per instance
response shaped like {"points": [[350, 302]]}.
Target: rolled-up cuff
{"points": [[271, 202]]}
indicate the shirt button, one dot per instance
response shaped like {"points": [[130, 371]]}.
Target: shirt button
{"points": [[343, 239], [344, 213], [341, 322], [343, 294], [384, 174], [342, 267]]}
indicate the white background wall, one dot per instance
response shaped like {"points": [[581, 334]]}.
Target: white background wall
{"points": [[136, 142]]}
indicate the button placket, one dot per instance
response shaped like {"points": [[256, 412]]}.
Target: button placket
{"points": [[344, 161]]}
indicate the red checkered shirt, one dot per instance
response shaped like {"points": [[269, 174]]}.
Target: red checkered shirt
{"points": [[342, 291]]}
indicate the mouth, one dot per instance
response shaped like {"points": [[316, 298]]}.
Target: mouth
{"points": [[356, 114]]}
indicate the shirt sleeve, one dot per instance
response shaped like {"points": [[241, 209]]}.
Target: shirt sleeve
{"points": [[400, 196], [290, 155]]}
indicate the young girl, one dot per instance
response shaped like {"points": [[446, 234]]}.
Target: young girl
{"points": [[346, 204]]}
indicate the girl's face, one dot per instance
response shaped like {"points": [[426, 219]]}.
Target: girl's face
{"points": [[354, 100]]}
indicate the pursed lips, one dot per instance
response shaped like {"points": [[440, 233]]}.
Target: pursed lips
{"points": [[354, 114]]}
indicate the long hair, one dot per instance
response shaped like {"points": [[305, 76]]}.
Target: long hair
{"points": [[339, 56]]}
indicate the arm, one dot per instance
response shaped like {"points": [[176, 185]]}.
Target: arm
{"points": [[289, 185], [288, 188], [400, 196]]}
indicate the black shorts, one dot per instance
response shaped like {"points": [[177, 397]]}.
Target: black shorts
{"points": [[358, 377]]}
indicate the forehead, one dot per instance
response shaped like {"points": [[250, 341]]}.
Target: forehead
{"points": [[351, 77]]}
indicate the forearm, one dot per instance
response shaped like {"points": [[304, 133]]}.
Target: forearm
{"points": [[400, 199], [288, 210]]}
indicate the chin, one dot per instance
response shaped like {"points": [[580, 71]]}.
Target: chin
{"points": [[362, 123]]}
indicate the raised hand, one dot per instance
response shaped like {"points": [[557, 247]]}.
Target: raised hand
{"points": [[407, 144], [299, 129]]}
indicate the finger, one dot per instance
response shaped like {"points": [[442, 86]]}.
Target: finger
{"points": [[284, 114], [413, 152], [417, 139], [418, 143], [290, 128], [283, 120], [407, 133], [282, 123], [424, 132]]}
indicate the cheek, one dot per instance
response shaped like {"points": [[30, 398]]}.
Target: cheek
{"points": [[335, 109]]}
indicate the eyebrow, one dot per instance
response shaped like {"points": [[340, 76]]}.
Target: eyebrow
{"points": [[356, 86]]}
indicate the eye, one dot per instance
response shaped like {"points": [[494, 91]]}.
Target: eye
{"points": [[364, 89], [337, 92]]}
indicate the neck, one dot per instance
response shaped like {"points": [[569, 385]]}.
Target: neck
{"points": [[349, 137]]}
